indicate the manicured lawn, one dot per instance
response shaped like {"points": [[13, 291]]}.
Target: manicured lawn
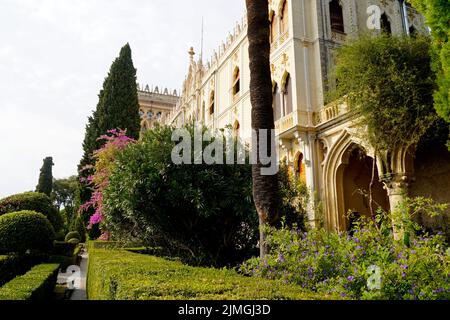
{"points": [[122, 275]]}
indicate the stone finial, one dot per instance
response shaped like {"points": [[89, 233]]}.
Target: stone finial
{"points": [[191, 53]]}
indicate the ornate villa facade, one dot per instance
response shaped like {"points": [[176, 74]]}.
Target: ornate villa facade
{"points": [[319, 141]]}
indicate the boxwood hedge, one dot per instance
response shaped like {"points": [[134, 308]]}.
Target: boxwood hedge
{"points": [[25, 230], [13, 265], [32, 201], [37, 284], [116, 274]]}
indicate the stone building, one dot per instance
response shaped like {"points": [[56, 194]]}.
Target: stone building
{"points": [[317, 139]]}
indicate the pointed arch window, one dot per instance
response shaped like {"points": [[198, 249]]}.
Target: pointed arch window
{"points": [[385, 24], [276, 102], [284, 23], [336, 17], [236, 81], [273, 28], [287, 96], [212, 99]]}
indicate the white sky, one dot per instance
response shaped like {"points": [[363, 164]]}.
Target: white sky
{"points": [[54, 55]]}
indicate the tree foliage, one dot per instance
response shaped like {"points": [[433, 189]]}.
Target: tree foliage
{"points": [[118, 107], [389, 82], [45, 184], [204, 214], [437, 15]]}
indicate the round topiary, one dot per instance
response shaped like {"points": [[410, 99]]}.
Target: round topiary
{"points": [[74, 241], [72, 235], [25, 230], [33, 201]]}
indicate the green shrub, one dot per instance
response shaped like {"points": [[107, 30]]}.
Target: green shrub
{"points": [[37, 284], [73, 241], [204, 214], [64, 248], [333, 263], [14, 265], [121, 275], [32, 201], [79, 226], [72, 235], [25, 230]]}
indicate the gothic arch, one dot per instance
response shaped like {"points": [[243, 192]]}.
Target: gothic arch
{"points": [[337, 156]]}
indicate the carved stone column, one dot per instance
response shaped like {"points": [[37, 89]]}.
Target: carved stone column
{"points": [[397, 188]]}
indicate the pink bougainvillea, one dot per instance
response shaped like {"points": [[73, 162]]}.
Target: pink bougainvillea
{"points": [[115, 141]]}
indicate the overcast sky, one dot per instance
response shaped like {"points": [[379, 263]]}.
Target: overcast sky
{"points": [[54, 55]]}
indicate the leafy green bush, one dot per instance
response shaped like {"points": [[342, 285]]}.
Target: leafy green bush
{"points": [[202, 213], [25, 230], [121, 275], [63, 248], [32, 201], [74, 241], [72, 235], [36, 285], [342, 263], [79, 226], [14, 265]]}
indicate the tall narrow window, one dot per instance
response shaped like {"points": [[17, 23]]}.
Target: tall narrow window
{"points": [[203, 112], [212, 103], [385, 24], [273, 29], [288, 96], [236, 82], [276, 103], [237, 129], [284, 18], [337, 17]]}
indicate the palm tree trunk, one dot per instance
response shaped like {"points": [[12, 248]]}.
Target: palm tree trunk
{"points": [[265, 187]]}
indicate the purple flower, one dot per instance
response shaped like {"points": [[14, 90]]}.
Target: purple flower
{"points": [[351, 278], [404, 267]]}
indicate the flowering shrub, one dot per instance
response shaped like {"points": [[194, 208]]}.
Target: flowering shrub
{"points": [[116, 141], [368, 264]]}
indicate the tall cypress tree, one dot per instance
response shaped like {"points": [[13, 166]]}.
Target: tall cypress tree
{"points": [[117, 108], [45, 184]]}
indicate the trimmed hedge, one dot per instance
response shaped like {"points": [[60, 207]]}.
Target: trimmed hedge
{"points": [[33, 201], [72, 235], [12, 266], [25, 230], [64, 248], [122, 275], [37, 284]]}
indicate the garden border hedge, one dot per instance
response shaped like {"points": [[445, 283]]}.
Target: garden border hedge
{"points": [[37, 284]]}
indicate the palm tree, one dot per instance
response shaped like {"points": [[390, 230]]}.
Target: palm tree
{"points": [[265, 187]]}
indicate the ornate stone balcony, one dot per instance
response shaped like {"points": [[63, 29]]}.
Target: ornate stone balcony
{"points": [[279, 41], [291, 121], [331, 112]]}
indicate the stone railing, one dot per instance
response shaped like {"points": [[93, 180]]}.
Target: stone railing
{"points": [[331, 112], [293, 120], [279, 41], [338, 37]]}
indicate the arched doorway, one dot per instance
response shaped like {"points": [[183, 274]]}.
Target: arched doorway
{"points": [[355, 175], [299, 167]]}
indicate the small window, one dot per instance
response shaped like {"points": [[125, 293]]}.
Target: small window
{"points": [[337, 17], [273, 29], [288, 96], [236, 82], [150, 115], [276, 103], [212, 103], [385, 24], [285, 18]]}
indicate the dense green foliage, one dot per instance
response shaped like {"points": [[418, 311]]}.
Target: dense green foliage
{"points": [[35, 285], [389, 82], [333, 263], [78, 226], [118, 108], [121, 275], [45, 184], [63, 248], [32, 201], [202, 213], [64, 191], [12, 266], [437, 15], [25, 230], [72, 235]]}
